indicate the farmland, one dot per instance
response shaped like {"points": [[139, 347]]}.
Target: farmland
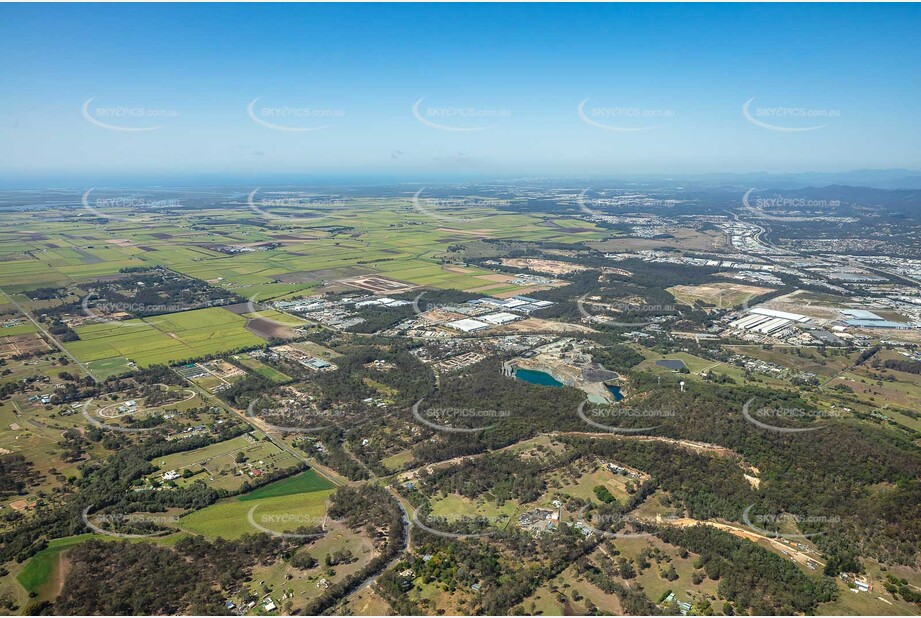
{"points": [[303, 483], [385, 237], [164, 339], [179, 381], [230, 518], [264, 370], [393, 240], [407, 310]]}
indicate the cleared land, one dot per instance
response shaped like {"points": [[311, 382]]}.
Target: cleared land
{"points": [[217, 464], [719, 295], [164, 339], [282, 506]]}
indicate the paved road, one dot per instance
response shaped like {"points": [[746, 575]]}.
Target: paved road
{"points": [[277, 441], [50, 336], [406, 541]]}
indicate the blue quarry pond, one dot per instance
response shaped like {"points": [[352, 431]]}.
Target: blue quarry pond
{"points": [[615, 390], [541, 378]]}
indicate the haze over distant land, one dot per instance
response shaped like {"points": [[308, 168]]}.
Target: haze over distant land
{"points": [[888, 179]]}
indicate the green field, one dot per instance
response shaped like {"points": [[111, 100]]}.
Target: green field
{"points": [[398, 461], [228, 519], [38, 570], [42, 569], [107, 367], [584, 489], [264, 370], [185, 459], [303, 483], [695, 364], [216, 464], [276, 316], [281, 506], [455, 506], [19, 329], [164, 339]]}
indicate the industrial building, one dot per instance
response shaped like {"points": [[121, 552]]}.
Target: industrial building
{"points": [[500, 318], [861, 314], [467, 325], [793, 317], [767, 321], [521, 304], [878, 324], [867, 319]]}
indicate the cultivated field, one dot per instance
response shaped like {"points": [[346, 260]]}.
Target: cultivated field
{"points": [[229, 518], [164, 339]]}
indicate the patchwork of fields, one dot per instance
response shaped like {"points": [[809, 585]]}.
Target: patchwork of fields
{"points": [[164, 339], [284, 256], [371, 235]]}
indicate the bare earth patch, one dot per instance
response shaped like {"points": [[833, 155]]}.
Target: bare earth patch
{"points": [[268, 329], [552, 267]]}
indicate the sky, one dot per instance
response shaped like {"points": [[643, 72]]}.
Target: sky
{"points": [[486, 89]]}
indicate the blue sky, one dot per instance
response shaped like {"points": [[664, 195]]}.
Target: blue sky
{"points": [[663, 88]]}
